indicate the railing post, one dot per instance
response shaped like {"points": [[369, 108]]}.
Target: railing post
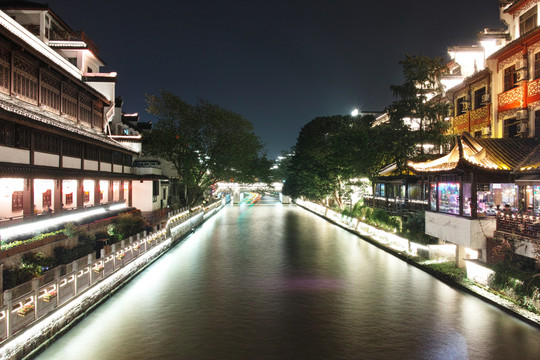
{"points": [[1, 279], [8, 301], [75, 269], [35, 289]]}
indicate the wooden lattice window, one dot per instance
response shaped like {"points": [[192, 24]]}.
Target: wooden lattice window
{"points": [[50, 91], [5, 60], [25, 79], [97, 114], [85, 110], [69, 102], [86, 196], [17, 201], [69, 199]]}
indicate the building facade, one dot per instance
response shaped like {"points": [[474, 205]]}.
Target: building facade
{"points": [[55, 107]]}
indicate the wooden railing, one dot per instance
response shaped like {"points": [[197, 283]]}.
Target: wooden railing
{"points": [[396, 204], [523, 225]]}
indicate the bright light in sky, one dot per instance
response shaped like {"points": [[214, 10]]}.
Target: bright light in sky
{"points": [[355, 112]]}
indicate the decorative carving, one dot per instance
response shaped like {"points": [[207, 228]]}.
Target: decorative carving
{"points": [[511, 96], [507, 114], [507, 62]]}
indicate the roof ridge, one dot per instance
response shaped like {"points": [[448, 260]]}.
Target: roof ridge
{"points": [[528, 156]]}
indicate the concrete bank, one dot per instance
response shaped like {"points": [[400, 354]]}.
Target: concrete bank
{"points": [[503, 304], [38, 335]]}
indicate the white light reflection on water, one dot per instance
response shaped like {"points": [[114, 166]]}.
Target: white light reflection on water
{"points": [[267, 282]]}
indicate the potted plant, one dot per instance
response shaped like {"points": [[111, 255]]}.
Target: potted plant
{"points": [[49, 296], [98, 268], [25, 310]]}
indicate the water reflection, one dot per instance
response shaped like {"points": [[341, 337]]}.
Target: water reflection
{"points": [[276, 282]]}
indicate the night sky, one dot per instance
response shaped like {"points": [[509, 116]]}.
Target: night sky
{"points": [[277, 63]]}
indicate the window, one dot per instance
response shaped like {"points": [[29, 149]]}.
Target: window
{"points": [[71, 148], [47, 198], [73, 61], [478, 134], [537, 123], [510, 78], [449, 198], [86, 196], [46, 142], [155, 188], [91, 152], [537, 65], [461, 105], [478, 95], [528, 21], [510, 128], [69, 199], [17, 201]]}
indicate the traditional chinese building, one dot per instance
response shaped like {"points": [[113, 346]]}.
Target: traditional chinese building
{"points": [[55, 108], [483, 186], [515, 72]]}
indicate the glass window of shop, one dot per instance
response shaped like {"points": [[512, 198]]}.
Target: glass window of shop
{"points": [[433, 197], [505, 194], [449, 198], [485, 198], [467, 198], [379, 190], [536, 199]]}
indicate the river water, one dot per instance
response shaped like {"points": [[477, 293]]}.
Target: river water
{"points": [[273, 281]]}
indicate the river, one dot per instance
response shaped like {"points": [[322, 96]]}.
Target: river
{"points": [[272, 281]]}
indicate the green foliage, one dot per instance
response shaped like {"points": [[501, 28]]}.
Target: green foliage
{"points": [[204, 142], [449, 269], [31, 240], [376, 217], [414, 228], [328, 153], [14, 276], [129, 224], [419, 99]]}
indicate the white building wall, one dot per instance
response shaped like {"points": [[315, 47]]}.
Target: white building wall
{"points": [[12, 155], [71, 162], [105, 167], [142, 195], [459, 230], [44, 159], [117, 168], [91, 165]]}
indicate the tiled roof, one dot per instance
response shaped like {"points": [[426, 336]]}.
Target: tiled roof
{"points": [[499, 155], [509, 153]]}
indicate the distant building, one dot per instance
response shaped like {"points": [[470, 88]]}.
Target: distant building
{"points": [[58, 148]]}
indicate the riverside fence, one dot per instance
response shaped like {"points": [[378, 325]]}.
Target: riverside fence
{"points": [[57, 291]]}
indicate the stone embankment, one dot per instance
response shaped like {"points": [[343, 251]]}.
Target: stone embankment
{"points": [[35, 313], [407, 251]]}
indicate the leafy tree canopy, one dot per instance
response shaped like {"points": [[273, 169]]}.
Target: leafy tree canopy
{"points": [[204, 142]]}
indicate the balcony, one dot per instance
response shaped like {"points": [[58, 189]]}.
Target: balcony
{"points": [[511, 99], [523, 229], [59, 36]]}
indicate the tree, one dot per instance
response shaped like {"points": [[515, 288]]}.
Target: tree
{"points": [[204, 142], [323, 160], [419, 100]]}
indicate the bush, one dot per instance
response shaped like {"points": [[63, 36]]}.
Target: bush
{"points": [[130, 224], [449, 269]]}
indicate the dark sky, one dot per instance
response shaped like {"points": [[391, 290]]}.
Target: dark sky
{"points": [[278, 63]]}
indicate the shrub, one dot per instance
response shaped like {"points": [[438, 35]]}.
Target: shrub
{"points": [[130, 224]]}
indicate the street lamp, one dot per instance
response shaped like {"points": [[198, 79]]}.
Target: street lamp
{"points": [[355, 112]]}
